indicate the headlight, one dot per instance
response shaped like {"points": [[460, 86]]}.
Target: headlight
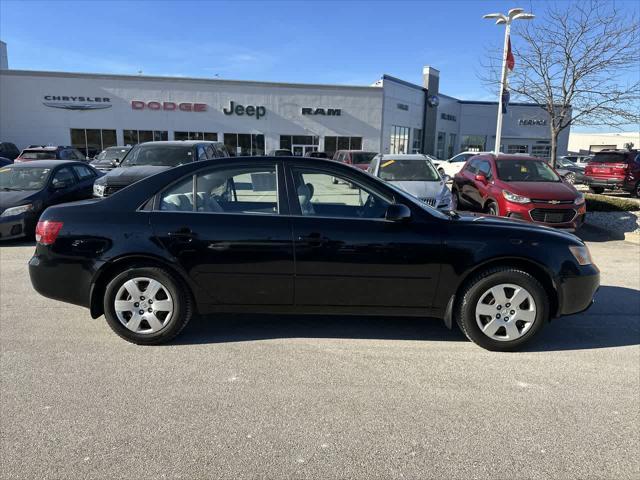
{"points": [[98, 190], [512, 197], [581, 254], [10, 212], [579, 200]]}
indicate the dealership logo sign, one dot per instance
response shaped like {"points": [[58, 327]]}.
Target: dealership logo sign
{"points": [[76, 102], [532, 122], [169, 106], [250, 110], [329, 112]]}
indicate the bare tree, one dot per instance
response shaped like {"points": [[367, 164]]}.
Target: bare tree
{"points": [[572, 61]]}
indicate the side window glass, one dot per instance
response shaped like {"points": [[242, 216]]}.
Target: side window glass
{"points": [[485, 168], [66, 155], [83, 172], [210, 152], [202, 154], [178, 197], [64, 176], [238, 190], [318, 195]]}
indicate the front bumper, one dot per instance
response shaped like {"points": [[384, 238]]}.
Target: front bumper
{"points": [[17, 226], [537, 213], [576, 292]]}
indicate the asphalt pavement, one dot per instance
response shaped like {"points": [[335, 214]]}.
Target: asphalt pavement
{"points": [[319, 397]]}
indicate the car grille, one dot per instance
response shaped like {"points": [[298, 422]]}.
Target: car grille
{"points": [[111, 189], [553, 202], [429, 201], [549, 215]]}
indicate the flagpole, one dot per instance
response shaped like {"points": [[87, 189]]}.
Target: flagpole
{"points": [[502, 19]]}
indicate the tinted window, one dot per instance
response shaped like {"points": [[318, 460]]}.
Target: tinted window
{"points": [[23, 178], [112, 153], [408, 170], [161, 155], [83, 172], [609, 158], [38, 154], [318, 195], [484, 168], [179, 197], [525, 171], [64, 175], [362, 157]]}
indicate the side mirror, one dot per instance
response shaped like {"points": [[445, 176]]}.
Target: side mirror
{"points": [[398, 213], [446, 178], [115, 162], [481, 178], [59, 185]]}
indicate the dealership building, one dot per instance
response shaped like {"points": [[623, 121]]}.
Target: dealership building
{"points": [[93, 111]]}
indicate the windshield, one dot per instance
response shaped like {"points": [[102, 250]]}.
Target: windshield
{"points": [[525, 171], [38, 155], [112, 153], [158, 155], [23, 178], [608, 158], [362, 158], [408, 170]]}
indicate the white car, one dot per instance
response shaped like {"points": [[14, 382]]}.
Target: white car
{"points": [[416, 175], [453, 165]]}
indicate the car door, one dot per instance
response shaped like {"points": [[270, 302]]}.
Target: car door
{"points": [[348, 254], [63, 186], [467, 184], [234, 240], [86, 177], [482, 190]]}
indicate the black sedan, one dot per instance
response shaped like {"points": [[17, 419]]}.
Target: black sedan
{"points": [[274, 235], [26, 189], [570, 172]]}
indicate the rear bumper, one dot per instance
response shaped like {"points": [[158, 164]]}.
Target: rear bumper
{"points": [[577, 292], [611, 183]]}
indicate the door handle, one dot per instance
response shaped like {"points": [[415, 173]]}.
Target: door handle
{"points": [[184, 233], [313, 239]]}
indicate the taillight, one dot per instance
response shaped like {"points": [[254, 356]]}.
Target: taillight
{"points": [[47, 232]]}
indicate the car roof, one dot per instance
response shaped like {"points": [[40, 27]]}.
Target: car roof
{"points": [[47, 148], [48, 163], [405, 156], [118, 147], [178, 142]]}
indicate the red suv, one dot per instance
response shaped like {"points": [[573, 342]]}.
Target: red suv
{"points": [[614, 169], [520, 187], [357, 158]]}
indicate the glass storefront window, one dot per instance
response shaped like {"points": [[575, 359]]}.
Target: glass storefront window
{"points": [[333, 144], [399, 142], [452, 145], [541, 151], [244, 143], [440, 145], [133, 137], [330, 145], [417, 140], [517, 148], [210, 136], [473, 143], [92, 141]]}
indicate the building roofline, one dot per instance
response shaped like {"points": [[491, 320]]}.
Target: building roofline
{"points": [[402, 82], [107, 76], [511, 104]]}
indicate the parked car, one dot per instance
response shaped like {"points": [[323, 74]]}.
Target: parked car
{"points": [[146, 159], [571, 172], [317, 155], [454, 164], [280, 153], [8, 150], [519, 187], [581, 160], [614, 170], [60, 152], [357, 158], [5, 161], [416, 175], [27, 189], [110, 158], [228, 235]]}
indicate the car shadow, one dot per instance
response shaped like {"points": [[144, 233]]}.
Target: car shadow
{"points": [[21, 242], [613, 321], [625, 222]]}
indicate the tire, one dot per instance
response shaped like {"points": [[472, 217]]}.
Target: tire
{"points": [[493, 209], [165, 325], [570, 178], [456, 200], [474, 293], [598, 190], [636, 191]]}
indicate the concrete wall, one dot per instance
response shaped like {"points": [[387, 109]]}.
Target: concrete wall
{"points": [[396, 93], [585, 142]]}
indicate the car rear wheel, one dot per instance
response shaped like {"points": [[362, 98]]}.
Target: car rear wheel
{"points": [[570, 178], [503, 308], [597, 190], [147, 305], [636, 191]]}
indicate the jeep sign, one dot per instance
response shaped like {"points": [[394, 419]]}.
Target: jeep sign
{"points": [[250, 110]]}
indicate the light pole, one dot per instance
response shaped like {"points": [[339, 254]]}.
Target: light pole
{"points": [[502, 19]]}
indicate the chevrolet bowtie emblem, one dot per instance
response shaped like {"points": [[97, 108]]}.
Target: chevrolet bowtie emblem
{"points": [[554, 202]]}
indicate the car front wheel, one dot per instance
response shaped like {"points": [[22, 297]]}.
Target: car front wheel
{"points": [[502, 308], [147, 305], [493, 209]]}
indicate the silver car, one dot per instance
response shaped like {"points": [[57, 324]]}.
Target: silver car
{"points": [[416, 175]]}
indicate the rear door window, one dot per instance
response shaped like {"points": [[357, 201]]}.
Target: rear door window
{"points": [[83, 172]]}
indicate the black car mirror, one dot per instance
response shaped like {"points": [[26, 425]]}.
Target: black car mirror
{"points": [[115, 162], [397, 212], [59, 185]]}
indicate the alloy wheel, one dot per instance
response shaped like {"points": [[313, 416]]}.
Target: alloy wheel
{"points": [[143, 305], [570, 178], [505, 312]]}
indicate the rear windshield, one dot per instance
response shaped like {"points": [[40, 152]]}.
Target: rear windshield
{"points": [[362, 157], [159, 155], [608, 158], [23, 178], [38, 155], [112, 153], [408, 171]]}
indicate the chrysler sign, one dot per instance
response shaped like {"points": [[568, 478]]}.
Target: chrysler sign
{"points": [[79, 102]]}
